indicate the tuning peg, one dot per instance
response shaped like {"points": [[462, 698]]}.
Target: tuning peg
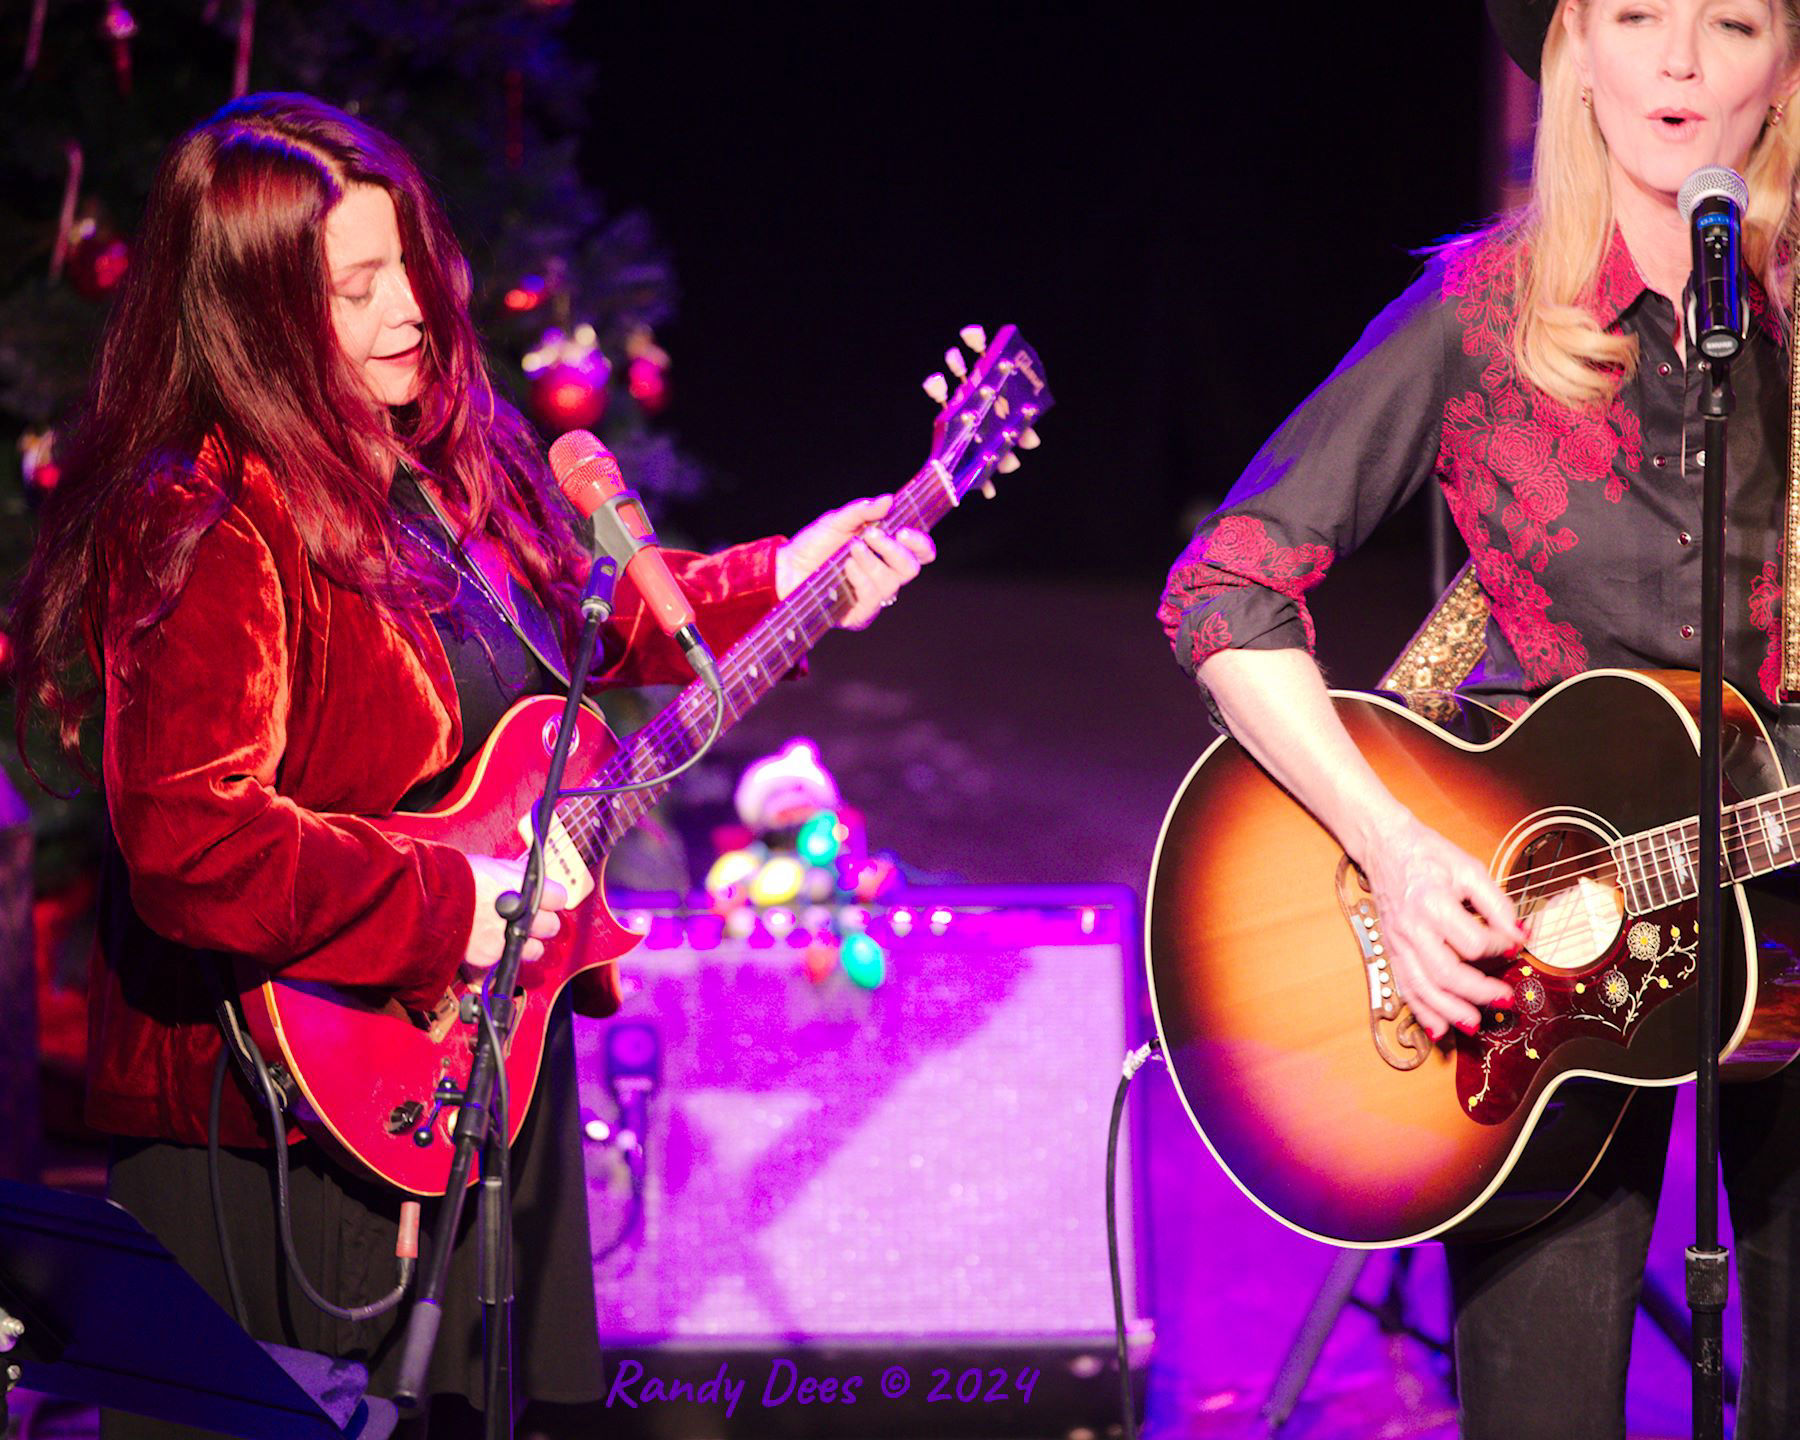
{"points": [[988, 491], [974, 337], [1009, 462], [1029, 440], [955, 364], [938, 388]]}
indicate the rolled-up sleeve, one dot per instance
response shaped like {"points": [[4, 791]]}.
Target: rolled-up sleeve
{"points": [[1355, 451]]}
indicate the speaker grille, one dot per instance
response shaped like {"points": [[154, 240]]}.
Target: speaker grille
{"points": [[921, 1160]]}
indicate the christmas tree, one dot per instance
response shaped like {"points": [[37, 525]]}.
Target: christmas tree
{"points": [[484, 95]]}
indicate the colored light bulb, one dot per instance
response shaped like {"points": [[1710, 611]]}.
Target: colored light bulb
{"points": [[818, 841], [865, 962]]}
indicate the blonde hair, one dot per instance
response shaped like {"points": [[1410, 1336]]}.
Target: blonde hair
{"points": [[1566, 228]]}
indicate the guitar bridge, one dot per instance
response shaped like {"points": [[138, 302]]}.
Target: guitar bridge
{"points": [[1395, 1032]]}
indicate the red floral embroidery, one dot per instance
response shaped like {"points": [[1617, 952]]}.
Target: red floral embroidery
{"points": [[1213, 636], [1241, 545], [1509, 453], [1765, 615], [1235, 553]]}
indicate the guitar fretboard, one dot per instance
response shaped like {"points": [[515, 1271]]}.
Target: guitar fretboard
{"points": [[990, 413], [748, 671], [1661, 867]]}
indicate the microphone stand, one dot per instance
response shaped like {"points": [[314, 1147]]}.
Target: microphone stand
{"points": [[1708, 1264], [479, 1120]]}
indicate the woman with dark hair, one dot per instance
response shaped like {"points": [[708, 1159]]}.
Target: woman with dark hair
{"points": [[307, 557], [1538, 372]]}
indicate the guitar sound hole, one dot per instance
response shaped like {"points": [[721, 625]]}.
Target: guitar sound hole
{"points": [[1568, 893]]}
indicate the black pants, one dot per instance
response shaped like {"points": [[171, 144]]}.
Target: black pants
{"points": [[344, 1228], [1544, 1319]]}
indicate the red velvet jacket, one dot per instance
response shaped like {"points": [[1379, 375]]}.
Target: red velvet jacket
{"points": [[266, 715]]}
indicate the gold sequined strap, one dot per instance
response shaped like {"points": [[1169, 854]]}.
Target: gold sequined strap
{"points": [[1444, 652], [1790, 549]]}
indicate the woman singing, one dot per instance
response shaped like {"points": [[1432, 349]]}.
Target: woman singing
{"points": [[1538, 373], [310, 557]]}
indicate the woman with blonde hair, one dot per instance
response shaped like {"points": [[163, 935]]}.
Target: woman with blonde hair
{"points": [[1538, 373], [302, 558]]}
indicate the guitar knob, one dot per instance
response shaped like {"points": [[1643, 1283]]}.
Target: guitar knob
{"points": [[974, 337], [1029, 440], [955, 364], [1009, 462], [404, 1117], [938, 388]]}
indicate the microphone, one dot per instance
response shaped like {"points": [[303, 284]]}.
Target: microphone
{"points": [[1712, 203], [588, 474]]}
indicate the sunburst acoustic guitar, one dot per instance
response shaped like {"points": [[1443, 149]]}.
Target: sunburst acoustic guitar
{"points": [[1308, 1077]]}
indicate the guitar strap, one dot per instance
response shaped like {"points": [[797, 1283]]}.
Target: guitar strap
{"points": [[1790, 535], [543, 645], [1444, 651], [1448, 646]]}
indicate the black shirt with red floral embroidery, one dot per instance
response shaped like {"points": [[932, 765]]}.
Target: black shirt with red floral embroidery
{"points": [[1583, 526]]}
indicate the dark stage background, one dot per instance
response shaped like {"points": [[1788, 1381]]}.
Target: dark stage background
{"points": [[1190, 216]]}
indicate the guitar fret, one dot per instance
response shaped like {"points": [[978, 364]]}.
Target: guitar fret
{"points": [[1656, 868], [783, 637], [1731, 845], [1676, 872], [1627, 855], [1749, 821], [1675, 846]]}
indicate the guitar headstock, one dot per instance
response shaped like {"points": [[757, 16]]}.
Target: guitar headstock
{"points": [[999, 396]]}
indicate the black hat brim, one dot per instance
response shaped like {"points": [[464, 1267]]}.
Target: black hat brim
{"points": [[1522, 26]]}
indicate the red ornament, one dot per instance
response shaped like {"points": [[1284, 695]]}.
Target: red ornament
{"points": [[648, 383], [647, 371], [97, 261], [119, 27], [570, 395], [37, 461], [528, 294]]}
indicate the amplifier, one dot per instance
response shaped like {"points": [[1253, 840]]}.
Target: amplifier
{"points": [[842, 1180]]}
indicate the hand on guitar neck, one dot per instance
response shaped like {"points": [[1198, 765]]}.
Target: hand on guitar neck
{"points": [[1440, 907], [487, 936], [878, 563]]}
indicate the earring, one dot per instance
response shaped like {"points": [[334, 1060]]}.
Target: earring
{"points": [[1776, 111], [1587, 97]]}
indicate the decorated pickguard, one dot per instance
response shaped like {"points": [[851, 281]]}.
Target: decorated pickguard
{"points": [[1608, 1000]]}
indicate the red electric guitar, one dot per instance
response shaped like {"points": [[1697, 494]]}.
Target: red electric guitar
{"points": [[366, 1077], [1309, 1078]]}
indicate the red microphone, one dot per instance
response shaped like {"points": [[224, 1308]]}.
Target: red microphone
{"points": [[588, 474]]}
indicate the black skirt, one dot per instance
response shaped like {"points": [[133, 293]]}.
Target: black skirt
{"points": [[344, 1232]]}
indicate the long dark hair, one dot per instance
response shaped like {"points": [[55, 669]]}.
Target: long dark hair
{"points": [[221, 346]]}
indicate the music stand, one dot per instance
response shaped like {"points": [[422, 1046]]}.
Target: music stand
{"points": [[106, 1316]]}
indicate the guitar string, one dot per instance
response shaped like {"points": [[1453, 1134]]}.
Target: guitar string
{"points": [[1575, 919], [587, 818], [1741, 825], [643, 753], [1741, 821]]}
